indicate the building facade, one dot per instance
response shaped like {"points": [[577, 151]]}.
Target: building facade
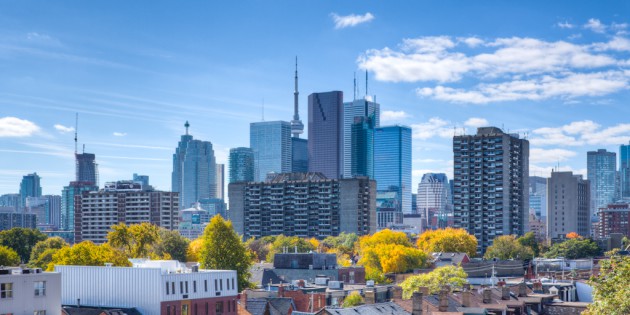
{"points": [[362, 148], [30, 291], [614, 219], [10, 200], [601, 168], [152, 287], [241, 165], [432, 200], [193, 221], [194, 170], [271, 143], [624, 170], [10, 219], [364, 109], [68, 197], [86, 169], [144, 179], [220, 181], [122, 202], [325, 134], [29, 187], [491, 181], [568, 200], [47, 210], [538, 195], [304, 205], [299, 155], [392, 162]]}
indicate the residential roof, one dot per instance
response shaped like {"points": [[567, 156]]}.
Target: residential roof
{"points": [[275, 306], [389, 308], [83, 310], [450, 257]]}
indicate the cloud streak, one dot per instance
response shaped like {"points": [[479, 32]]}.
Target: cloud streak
{"points": [[63, 129], [13, 127], [343, 21]]}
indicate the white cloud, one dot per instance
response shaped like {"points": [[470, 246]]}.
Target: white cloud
{"points": [[392, 116], [617, 43], [350, 20], [472, 41], [434, 127], [63, 129], [538, 155], [580, 133], [565, 24], [119, 134], [595, 25], [476, 122], [16, 127]]}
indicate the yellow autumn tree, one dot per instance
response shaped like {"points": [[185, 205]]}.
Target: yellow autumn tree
{"points": [[194, 248], [447, 240], [387, 251], [87, 253]]}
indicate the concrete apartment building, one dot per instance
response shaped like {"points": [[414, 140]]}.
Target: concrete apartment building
{"points": [[30, 291], [304, 205], [164, 287], [568, 201], [614, 219], [122, 201], [490, 191]]}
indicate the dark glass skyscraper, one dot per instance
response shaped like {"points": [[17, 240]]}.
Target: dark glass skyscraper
{"points": [[325, 133], [241, 165], [299, 163], [351, 110], [392, 162], [624, 170], [362, 140], [86, 168], [29, 187], [601, 168]]}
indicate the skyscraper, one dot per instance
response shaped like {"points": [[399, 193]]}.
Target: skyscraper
{"points": [[362, 149], [241, 165], [220, 181], [392, 163], [432, 200], [491, 171], [538, 195], [68, 195], [325, 132], [601, 167], [86, 168], [271, 143], [194, 170], [29, 187], [299, 157], [144, 179], [568, 205], [624, 170], [357, 108]]}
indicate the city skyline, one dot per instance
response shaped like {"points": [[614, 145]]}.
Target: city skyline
{"points": [[429, 67]]}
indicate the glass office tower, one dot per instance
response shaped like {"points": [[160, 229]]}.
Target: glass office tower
{"points": [[601, 168], [271, 143], [241, 165], [325, 133], [352, 110], [392, 162], [624, 170]]}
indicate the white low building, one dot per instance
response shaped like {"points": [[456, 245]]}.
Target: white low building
{"points": [[30, 291], [152, 287]]}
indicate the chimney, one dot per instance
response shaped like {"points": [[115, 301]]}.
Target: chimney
{"points": [[466, 296], [397, 292], [244, 299], [522, 289], [505, 293], [281, 291], [370, 296], [538, 287], [417, 303], [443, 299], [424, 290], [501, 283], [487, 296]]}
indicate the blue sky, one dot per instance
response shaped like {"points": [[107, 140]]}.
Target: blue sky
{"points": [[556, 71]]}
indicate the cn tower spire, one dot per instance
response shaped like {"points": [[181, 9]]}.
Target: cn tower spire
{"points": [[297, 127]]}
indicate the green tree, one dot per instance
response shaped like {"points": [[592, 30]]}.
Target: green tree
{"points": [[21, 240], [453, 276], [447, 240], [529, 240], [42, 252], [88, 254], [344, 243], [507, 247], [574, 249], [172, 244], [353, 299], [223, 249], [611, 288], [136, 240], [290, 242], [8, 257]]}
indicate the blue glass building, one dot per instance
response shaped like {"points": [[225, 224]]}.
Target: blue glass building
{"points": [[624, 170], [601, 168], [352, 110], [325, 133], [362, 140], [392, 162], [299, 163], [241, 165], [271, 144], [29, 187]]}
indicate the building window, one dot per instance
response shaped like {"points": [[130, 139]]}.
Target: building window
{"points": [[173, 287], [40, 288], [185, 309], [206, 308], [233, 286], [6, 291], [181, 287], [196, 309], [219, 308], [229, 306], [168, 307], [186, 287], [195, 287], [216, 285], [205, 285], [221, 284], [167, 291], [39, 313]]}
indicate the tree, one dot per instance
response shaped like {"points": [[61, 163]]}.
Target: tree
{"points": [[611, 288], [42, 252], [453, 276], [260, 247], [194, 248], [529, 240], [447, 240], [344, 243], [88, 254], [223, 249], [8, 257], [290, 243], [387, 251], [507, 247], [171, 244], [136, 240], [571, 235], [574, 249], [353, 299], [21, 240]]}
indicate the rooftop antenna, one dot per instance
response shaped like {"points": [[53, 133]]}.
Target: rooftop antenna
{"points": [[76, 130], [84, 148], [366, 83], [186, 125], [355, 87]]}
